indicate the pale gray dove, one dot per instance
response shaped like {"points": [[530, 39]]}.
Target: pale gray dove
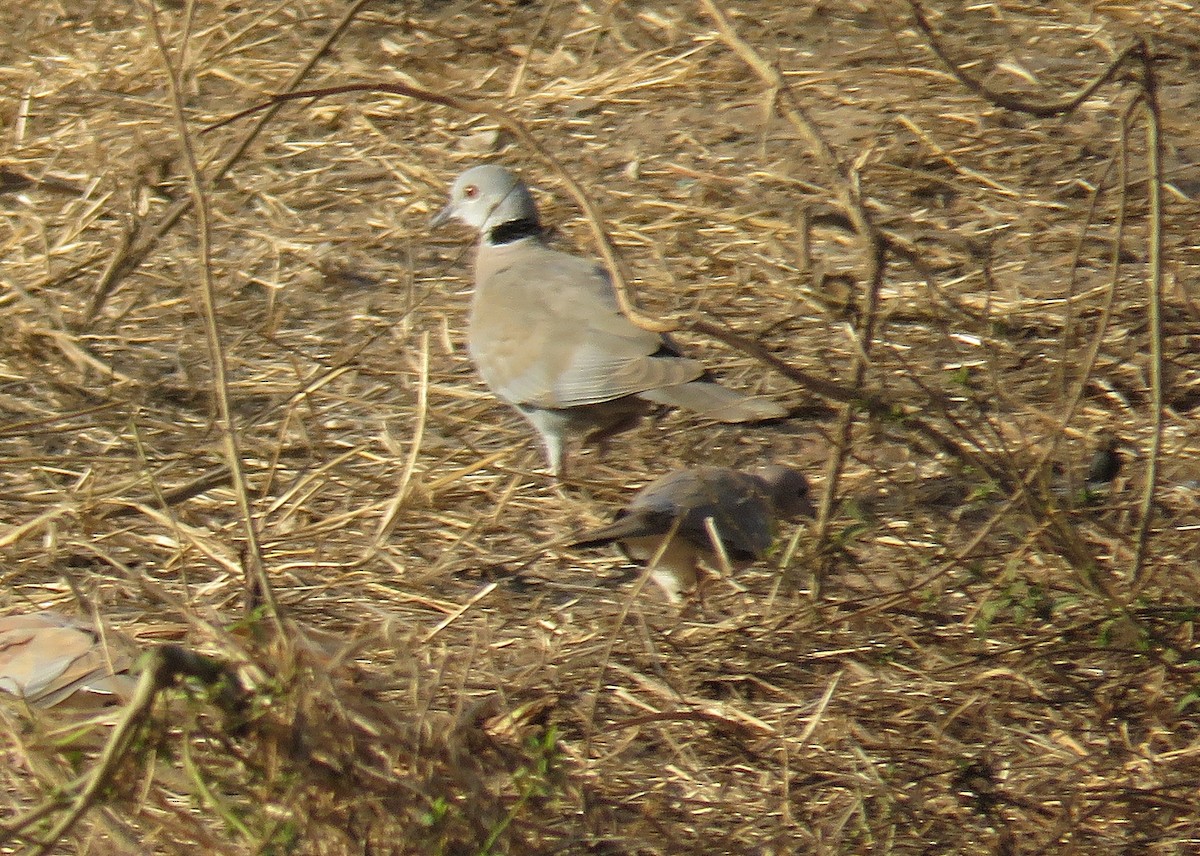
{"points": [[47, 658], [548, 337], [743, 507]]}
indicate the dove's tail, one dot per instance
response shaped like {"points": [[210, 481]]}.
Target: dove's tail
{"points": [[715, 401]]}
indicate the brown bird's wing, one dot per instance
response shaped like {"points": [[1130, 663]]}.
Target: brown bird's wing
{"points": [[736, 502]]}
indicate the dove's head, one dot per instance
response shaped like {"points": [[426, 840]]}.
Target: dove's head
{"points": [[488, 196]]}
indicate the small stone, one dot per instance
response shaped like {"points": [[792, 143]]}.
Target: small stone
{"points": [[479, 143]]}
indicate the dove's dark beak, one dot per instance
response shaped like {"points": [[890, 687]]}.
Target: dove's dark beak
{"points": [[441, 217]]}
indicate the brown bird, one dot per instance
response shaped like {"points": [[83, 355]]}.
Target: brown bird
{"points": [[548, 337], [743, 508], [47, 658]]}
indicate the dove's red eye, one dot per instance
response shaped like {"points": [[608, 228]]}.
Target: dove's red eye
{"points": [[470, 191]]}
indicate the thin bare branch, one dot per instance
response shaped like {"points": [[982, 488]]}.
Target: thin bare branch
{"points": [[258, 583]]}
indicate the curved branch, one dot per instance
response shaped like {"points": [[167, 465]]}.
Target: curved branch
{"points": [[515, 127], [1007, 100], [137, 244]]}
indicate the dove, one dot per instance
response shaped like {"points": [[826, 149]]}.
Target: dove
{"points": [[743, 507], [47, 659], [548, 337]]}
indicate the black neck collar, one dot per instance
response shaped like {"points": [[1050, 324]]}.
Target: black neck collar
{"points": [[515, 230]]}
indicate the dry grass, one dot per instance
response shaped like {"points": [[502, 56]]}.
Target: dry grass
{"points": [[982, 671]]}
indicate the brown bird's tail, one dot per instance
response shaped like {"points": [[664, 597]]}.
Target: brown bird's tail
{"points": [[715, 401], [636, 525]]}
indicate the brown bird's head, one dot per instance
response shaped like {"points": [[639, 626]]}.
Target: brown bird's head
{"points": [[787, 489]]}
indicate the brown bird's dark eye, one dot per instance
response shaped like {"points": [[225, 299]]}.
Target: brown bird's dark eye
{"points": [[470, 191]]}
